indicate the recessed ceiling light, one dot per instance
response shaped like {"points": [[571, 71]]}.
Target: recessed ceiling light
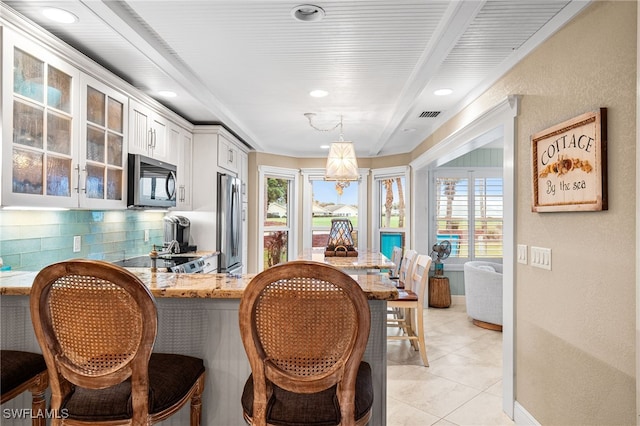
{"points": [[325, 146], [443, 92], [167, 93], [319, 93], [59, 15], [307, 13]]}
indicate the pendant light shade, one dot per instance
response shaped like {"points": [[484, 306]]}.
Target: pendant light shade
{"points": [[342, 164]]}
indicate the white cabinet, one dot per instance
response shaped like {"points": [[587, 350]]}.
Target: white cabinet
{"points": [[209, 143], [102, 146], [65, 132], [244, 175], [181, 143], [148, 133], [228, 154]]}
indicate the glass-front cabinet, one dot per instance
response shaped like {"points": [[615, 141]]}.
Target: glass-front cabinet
{"points": [[63, 133], [102, 147]]}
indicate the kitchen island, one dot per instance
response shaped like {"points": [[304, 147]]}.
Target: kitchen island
{"points": [[198, 315]]}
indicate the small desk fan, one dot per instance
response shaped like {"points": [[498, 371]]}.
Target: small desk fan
{"points": [[440, 251]]}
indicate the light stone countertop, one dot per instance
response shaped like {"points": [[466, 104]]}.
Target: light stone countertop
{"points": [[204, 286], [366, 259]]}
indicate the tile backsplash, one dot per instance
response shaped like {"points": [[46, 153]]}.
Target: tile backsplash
{"points": [[30, 240]]}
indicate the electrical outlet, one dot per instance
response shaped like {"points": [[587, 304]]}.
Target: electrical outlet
{"points": [[541, 257], [522, 253], [146, 235], [77, 243]]}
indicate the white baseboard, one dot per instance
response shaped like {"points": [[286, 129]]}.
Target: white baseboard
{"points": [[522, 416], [458, 299]]}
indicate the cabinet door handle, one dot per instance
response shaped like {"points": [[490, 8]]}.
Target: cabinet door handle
{"points": [[85, 180], [230, 156], [77, 169], [182, 193]]}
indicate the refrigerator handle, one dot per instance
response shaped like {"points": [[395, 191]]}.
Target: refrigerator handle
{"points": [[234, 221]]}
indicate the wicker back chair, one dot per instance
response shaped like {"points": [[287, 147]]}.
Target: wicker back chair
{"points": [[96, 324], [305, 327], [21, 371]]}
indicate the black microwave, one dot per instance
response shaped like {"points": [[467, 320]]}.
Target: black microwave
{"points": [[151, 183]]}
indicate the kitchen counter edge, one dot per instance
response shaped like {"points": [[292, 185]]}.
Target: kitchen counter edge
{"points": [[202, 286]]}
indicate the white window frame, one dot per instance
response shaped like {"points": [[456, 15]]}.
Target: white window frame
{"points": [[265, 172], [311, 174], [378, 175], [470, 174]]}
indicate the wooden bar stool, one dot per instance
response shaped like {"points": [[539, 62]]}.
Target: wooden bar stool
{"points": [[305, 327], [25, 371], [96, 324]]}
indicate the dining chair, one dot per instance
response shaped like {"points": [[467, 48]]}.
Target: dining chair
{"points": [[396, 258], [22, 371], [305, 327], [96, 324], [406, 264], [411, 302]]}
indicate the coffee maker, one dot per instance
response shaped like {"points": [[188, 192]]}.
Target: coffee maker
{"points": [[176, 234]]}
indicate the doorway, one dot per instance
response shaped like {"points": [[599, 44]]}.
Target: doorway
{"points": [[499, 120]]}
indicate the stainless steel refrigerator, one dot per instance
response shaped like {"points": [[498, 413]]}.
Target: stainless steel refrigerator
{"points": [[229, 235]]}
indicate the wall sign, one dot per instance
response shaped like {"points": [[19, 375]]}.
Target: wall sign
{"points": [[570, 165]]}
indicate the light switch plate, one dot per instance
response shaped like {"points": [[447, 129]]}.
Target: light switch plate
{"points": [[541, 257], [522, 253], [146, 235], [77, 243]]}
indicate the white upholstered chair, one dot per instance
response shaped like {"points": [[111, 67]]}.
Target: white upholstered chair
{"points": [[483, 293]]}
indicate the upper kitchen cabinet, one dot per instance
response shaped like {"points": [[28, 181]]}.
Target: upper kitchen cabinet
{"points": [[102, 147], [64, 132], [148, 133], [244, 175], [228, 153], [40, 105], [213, 144], [181, 143]]}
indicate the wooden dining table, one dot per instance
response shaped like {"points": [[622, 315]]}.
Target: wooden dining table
{"points": [[365, 260]]}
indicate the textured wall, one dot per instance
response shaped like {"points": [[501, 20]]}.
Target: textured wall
{"points": [[574, 328], [579, 318]]}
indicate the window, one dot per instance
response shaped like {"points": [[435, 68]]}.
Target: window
{"points": [[278, 216], [468, 212], [330, 202], [391, 208], [324, 201]]}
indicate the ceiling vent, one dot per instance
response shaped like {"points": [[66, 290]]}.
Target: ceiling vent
{"points": [[430, 114]]}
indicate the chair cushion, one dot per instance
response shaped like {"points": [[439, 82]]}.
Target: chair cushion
{"points": [[16, 367], [170, 378], [406, 296], [319, 409]]}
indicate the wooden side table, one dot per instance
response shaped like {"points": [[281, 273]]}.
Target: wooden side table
{"points": [[439, 292]]}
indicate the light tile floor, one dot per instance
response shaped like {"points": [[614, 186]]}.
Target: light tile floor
{"points": [[461, 386]]}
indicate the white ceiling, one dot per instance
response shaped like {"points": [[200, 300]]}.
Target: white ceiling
{"points": [[250, 66]]}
